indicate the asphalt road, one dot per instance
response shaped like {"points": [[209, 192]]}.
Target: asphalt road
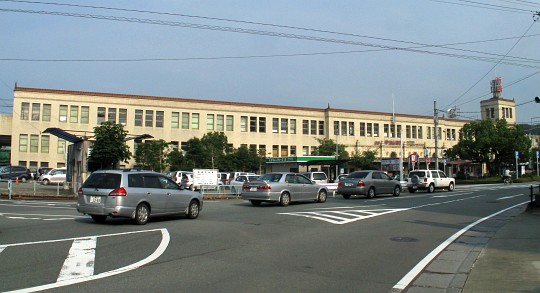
{"points": [[355, 245]]}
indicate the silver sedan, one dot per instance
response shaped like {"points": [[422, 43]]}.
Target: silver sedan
{"points": [[368, 183], [283, 188]]}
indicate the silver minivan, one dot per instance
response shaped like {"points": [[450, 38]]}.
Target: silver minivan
{"points": [[135, 194]]}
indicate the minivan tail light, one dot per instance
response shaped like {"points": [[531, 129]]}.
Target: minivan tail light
{"points": [[360, 183], [118, 192]]}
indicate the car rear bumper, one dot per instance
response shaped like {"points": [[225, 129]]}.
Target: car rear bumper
{"points": [[351, 190], [117, 211], [264, 196]]}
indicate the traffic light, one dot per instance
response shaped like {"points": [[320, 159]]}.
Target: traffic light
{"points": [[443, 152]]}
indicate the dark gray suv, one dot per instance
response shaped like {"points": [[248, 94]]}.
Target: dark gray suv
{"points": [[135, 194], [14, 172]]}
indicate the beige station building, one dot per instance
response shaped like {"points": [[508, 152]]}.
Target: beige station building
{"points": [[283, 133]]}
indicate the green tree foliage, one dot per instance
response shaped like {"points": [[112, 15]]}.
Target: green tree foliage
{"points": [[491, 143], [109, 147], [177, 161], [152, 154], [363, 160], [327, 147], [209, 151]]}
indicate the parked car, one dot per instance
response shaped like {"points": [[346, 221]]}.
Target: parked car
{"points": [[233, 175], [238, 182], [15, 172], [41, 171], [341, 176], [177, 175], [368, 183], [317, 177], [429, 180], [135, 194], [57, 175], [283, 188]]}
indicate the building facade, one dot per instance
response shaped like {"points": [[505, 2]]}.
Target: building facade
{"points": [[279, 131]]}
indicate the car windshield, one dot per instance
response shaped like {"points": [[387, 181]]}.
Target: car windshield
{"points": [[103, 180], [271, 177], [359, 175]]}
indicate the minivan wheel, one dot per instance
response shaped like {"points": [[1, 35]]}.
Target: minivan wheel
{"points": [[46, 182], [285, 199], [322, 196], [193, 209], [99, 218], [141, 214], [371, 193]]}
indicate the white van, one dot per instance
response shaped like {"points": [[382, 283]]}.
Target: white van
{"points": [[317, 177]]}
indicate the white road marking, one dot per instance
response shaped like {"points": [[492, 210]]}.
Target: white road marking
{"points": [[44, 217], [80, 260], [512, 196], [351, 215], [165, 239], [412, 274]]}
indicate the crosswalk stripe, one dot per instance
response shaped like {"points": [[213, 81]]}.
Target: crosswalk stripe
{"points": [[347, 216], [80, 260]]}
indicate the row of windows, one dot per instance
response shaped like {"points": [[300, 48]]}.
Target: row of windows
{"points": [[220, 122], [33, 143], [505, 112]]}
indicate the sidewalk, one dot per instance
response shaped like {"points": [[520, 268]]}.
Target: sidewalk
{"points": [[501, 254], [511, 260]]}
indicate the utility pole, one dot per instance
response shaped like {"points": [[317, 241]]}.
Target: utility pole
{"points": [[436, 132]]}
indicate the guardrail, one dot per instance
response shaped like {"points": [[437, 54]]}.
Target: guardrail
{"points": [[221, 190]]}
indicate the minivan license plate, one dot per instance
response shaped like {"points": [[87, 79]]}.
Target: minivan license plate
{"points": [[95, 199]]}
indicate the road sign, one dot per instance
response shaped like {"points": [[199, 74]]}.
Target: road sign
{"points": [[538, 154], [517, 154], [444, 162]]}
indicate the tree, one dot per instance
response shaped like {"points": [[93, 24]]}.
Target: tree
{"points": [[491, 143], [363, 160], [177, 160], [152, 154], [208, 152], [327, 147], [109, 147]]}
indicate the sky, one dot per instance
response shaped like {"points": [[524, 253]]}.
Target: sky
{"points": [[369, 55]]}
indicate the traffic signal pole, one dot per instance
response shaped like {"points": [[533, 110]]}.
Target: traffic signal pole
{"points": [[436, 132]]}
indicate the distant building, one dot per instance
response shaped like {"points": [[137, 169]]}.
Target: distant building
{"points": [[498, 107]]}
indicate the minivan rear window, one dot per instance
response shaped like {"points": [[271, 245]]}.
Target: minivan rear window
{"points": [[103, 180]]}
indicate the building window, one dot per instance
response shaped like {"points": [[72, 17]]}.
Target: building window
{"points": [[85, 114], [414, 132], [305, 127], [138, 117], [195, 121], [34, 143], [160, 119], [305, 150], [209, 121], [420, 132], [149, 118], [292, 126], [284, 125], [351, 128], [63, 113], [284, 151], [393, 130], [61, 146], [343, 127], [111, 117], [185, 120], [25, 111], [293, 150], [428, 132], [243, 123], [220, 122], [369, 129], [262, 124], [313, 127], [510, 112], [399, 131], [386, 130], [492, 113], [252, 124], [275, 151], [408, 131], [439, 134], [275, 125], [230, 123], [122, 116], [321, 127], [35, 111], [45, 143], [46, 112], [73, 114], [101, 115], [174, 145], [23, 143], [362, 129], [336, 127], [376, 129]]}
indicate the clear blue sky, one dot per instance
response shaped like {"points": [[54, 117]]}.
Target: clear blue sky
{"points": [[349, 54]]}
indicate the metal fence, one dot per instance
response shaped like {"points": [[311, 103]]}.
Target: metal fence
{"points": [[221, 190]]}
